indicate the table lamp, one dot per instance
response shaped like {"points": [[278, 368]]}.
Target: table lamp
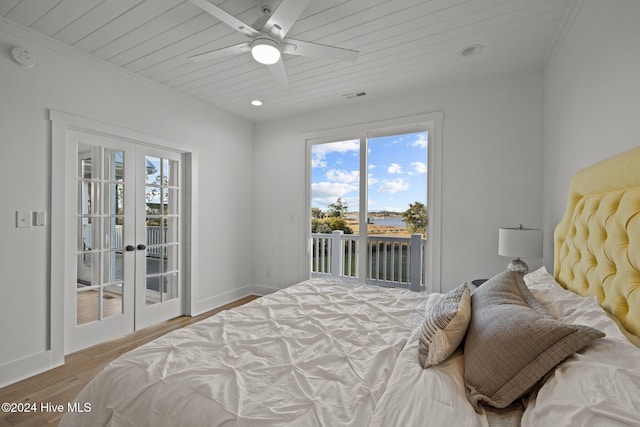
{"points": [[520, 243]]}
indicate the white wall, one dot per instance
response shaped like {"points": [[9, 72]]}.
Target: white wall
{"points": [[65, 80], [591, 98], [492, 174]]}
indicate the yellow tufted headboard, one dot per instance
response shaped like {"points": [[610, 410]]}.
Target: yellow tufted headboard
{"points": [[597, 243]]}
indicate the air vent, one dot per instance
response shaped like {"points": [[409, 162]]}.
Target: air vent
{"points": [[471, 50], [354, 95]]}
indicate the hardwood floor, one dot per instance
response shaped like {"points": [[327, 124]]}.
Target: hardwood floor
{"points": [[60, 385]]}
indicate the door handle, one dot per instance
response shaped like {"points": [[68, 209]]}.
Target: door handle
{"points": [[130, 248], [141, 247]]}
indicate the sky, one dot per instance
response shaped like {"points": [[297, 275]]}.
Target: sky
{"points": [[397, 172]]}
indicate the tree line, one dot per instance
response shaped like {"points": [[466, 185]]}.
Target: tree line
{"points": [[334, 218]]}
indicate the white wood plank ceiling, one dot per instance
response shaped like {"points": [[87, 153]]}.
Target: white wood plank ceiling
{"points": [[404, 45]]}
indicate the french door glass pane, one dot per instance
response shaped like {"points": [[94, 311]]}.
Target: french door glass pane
{"points": [[114, 165], [89, 158], [88, 306], [171, 230], [170, 286], [86, 168], [153, 289], [170, 258], [113, 267], [112, 300], [170, 173], [86, 228], [170, 201], [88, 269], [115, 199], [153, 170], [114, 227], [86, 197], [155, 232], [153, 195]]}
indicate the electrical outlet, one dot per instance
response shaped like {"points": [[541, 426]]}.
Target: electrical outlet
{"points": [[23, 219]]}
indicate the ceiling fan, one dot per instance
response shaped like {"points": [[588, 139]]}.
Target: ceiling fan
{"points": [[267, 37]]}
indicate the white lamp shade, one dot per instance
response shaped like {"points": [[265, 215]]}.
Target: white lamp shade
{"points": [[520, 242], [265, 51]]}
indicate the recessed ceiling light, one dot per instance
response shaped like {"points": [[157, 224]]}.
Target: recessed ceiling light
{"points": [[256, 103], [471, 50]]}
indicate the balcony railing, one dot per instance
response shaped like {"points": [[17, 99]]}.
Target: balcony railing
{"points": [[155, 236], [391, 261]]}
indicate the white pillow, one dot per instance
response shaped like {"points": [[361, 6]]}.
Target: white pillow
{"points": [[569, 306], [597, 386], [445, 326]]}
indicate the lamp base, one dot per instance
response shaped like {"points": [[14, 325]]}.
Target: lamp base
{"points": [[519, 266]]}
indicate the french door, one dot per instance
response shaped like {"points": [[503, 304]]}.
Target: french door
{"points": [[126, 227]]}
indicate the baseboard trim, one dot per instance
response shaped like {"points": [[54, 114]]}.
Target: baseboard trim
{"points": [[20, 369], [214, 302]]}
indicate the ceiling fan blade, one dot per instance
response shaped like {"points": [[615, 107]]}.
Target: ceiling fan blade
{"points": [[221, 53], [226, 17], [285, 15], [279, 74], [317, 50]]}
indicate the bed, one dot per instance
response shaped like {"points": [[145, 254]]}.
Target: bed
{"points": [[530, 350]]}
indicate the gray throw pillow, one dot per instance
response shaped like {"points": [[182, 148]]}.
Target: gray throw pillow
{"points": [[444, 327], [513, 341]]}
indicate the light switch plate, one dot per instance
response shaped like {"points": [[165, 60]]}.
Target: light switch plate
{"points": [[40, 218], [23, 219]]}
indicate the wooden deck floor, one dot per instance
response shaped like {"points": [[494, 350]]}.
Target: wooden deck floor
{"points": [[61, 385]]}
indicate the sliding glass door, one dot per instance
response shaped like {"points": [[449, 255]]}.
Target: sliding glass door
{"points": [[368, 205]]}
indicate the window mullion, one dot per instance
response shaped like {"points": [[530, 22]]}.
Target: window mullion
{"points": [[362, 216]]}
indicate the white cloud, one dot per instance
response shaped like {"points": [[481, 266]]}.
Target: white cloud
{"points": [[337, 175], [318, 162], [328, 192], [421, 141], [371, 180], [394, 168], [320, 151], [419, 167], [337, 147], [393, 185]]}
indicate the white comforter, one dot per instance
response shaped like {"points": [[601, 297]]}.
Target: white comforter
{"points": [[316, 353], [327, 354]]}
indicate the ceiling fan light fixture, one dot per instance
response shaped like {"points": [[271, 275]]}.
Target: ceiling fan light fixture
{"points": [[265, 51]]}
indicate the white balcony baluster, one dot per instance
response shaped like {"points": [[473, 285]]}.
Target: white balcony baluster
{"points": [[393, 261]]}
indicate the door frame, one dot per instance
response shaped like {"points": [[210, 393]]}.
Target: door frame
{"points": [[61, 271], [431, 122]]}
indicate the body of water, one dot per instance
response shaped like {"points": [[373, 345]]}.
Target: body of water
{"points": [[390, 221]]}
